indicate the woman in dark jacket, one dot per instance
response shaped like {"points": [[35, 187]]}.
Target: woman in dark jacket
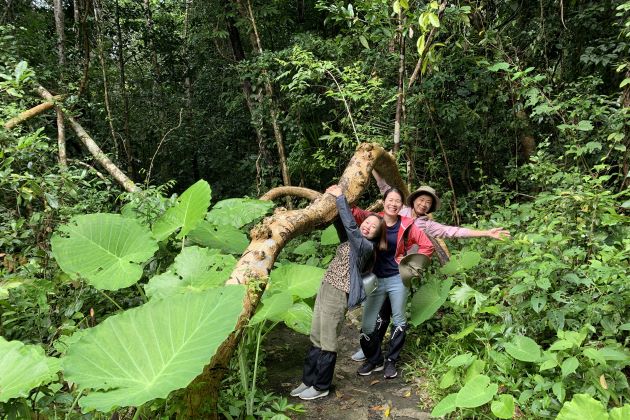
{"points": [[341, 289]]}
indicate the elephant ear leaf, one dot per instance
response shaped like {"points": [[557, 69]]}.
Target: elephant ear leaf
{"points": [[23, 368], [186, 214], [147, 352], [105, 249], [238, 212]]}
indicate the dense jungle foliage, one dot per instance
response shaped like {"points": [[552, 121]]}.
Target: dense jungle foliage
{"points": [[112, 296]]}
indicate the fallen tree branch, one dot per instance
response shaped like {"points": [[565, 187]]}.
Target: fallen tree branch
{"points": [[300, 192], [91, 145], [268, 239], [30, 113]]}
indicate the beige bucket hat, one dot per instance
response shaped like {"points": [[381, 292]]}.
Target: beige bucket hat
{"points": [[425, 189], [411, 266]]}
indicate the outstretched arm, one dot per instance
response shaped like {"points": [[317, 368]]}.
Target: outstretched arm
{"points": [[495, 233]]}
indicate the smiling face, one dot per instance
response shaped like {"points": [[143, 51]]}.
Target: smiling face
{"points": [[392, 204], [370, 227], [422, 204]]}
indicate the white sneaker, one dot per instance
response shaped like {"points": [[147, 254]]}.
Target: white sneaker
{"points": [[312, 394], [358, 356], [297, 391]]}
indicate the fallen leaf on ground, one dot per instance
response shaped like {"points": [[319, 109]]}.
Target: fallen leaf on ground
{"points": [[377, 408], [339, 394], [407, 394], [374, 382]]}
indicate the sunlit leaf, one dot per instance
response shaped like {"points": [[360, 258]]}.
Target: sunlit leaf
{"points": [[23, 368], [582, 407], [476, 392], [224, 237], [148, 351], [299, 280], [445, 406], [428, 299], [524, 349], [186, 214], [299, 318], [272, 308], [106, 249], [503, 407], [238, 212]]}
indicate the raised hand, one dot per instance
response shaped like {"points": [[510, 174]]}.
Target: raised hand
{"points": [[334, 190]]}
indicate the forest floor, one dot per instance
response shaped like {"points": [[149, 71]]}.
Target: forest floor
{"points": [[352, 396]]}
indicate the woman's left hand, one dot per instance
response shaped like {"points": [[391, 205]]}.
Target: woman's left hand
{"points": [[334, 190]]}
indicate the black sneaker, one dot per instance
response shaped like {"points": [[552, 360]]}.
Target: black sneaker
{"points": [[390, 370], [367, 368]]}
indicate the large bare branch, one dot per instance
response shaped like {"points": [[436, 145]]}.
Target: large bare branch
{"points": [[91, 145], [29, 113], [268, 239], [301, 192]]}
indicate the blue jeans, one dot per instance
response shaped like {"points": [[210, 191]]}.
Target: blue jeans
{"points": [[398, 294]]}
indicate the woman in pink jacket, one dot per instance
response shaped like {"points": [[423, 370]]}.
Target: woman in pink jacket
{"points": [[420, 204], [402, 235]]}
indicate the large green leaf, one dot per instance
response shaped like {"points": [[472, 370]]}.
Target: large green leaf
{"points": [[476, 392], [194, 269], [428, 299], [147, 352], [582, 407], [445, 406], [186, 214], [23, 368], [105, 249], [503, 407], [620, 413], [273, 308], [299, 318], [524, 349], [238, 212], [329, 236], [299, 280], [224, 237]]}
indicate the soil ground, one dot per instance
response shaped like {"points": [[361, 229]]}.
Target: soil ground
{"points": [[352, 396]]}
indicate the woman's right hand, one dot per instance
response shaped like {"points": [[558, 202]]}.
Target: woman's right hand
{"points": [[334, 190]]}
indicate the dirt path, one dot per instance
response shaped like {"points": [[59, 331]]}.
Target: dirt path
{"points": [[352, 396]]}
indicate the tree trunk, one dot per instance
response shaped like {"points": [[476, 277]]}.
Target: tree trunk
{"points": [[83, 86], [149, 41], [268, 239], [400, 95], [256, 118], [246, 11], [123, 93], [96, 151], [101, 57], [61, 140], [61, 37]]}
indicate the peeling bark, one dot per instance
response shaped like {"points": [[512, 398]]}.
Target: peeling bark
{"points": [[268, 239]]}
